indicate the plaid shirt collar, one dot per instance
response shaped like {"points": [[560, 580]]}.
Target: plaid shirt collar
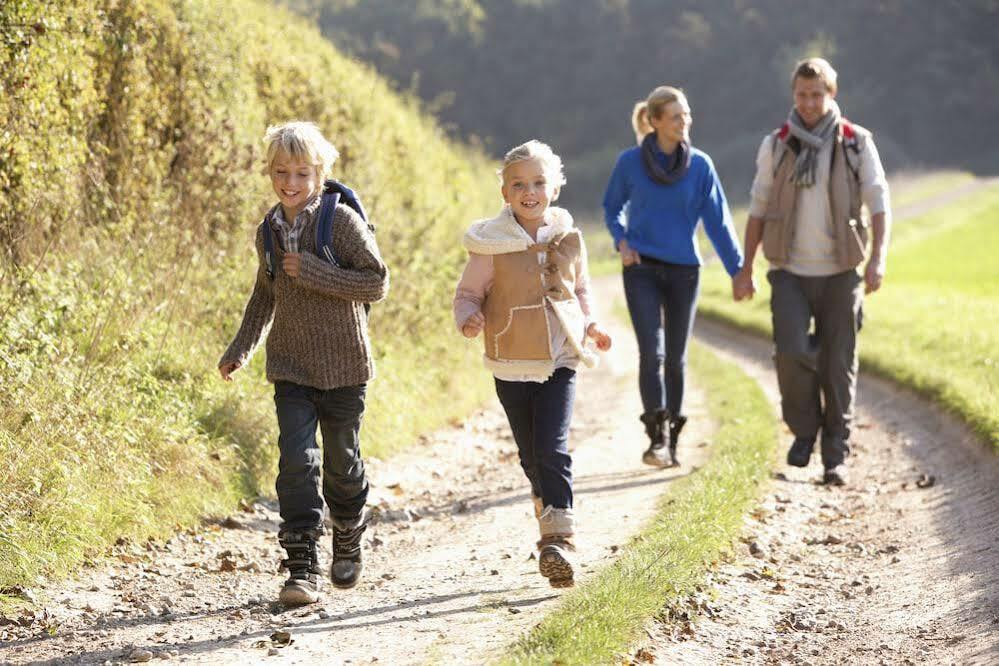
{"points": [[289, 233]]}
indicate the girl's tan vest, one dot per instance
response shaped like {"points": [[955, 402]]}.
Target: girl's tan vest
{"points": [[849, 228], [517, 337]]}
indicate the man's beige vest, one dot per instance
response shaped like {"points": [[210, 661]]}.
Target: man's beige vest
{"points": [[517, 336], [849, 228]]}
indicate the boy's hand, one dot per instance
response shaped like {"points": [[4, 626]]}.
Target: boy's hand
{"points": [[227, 369], [291, 263], [473, 325], [600, 336]]}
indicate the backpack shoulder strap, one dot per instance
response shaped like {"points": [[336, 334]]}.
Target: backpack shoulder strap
{"points": [[334, 193], [270, 261], [852, 143], [778, 146]]}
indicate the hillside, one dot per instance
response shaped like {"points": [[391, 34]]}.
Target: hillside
{"points": [[130, 186]]}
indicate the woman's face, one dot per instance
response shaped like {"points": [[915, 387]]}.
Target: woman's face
{"points": [[673, 124]]}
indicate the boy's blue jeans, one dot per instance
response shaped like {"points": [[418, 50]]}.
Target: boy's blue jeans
{"points": [[662, 300], [338, 414], [539, 415]]}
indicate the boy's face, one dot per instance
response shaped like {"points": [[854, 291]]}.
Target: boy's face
{"points": [[528, 191], [811, 99], [294, 181]]}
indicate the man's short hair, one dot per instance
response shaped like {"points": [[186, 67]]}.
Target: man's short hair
{"points": [[815, 68]]}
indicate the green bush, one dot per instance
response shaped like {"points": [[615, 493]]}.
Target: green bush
{"points": [[130, 188]]}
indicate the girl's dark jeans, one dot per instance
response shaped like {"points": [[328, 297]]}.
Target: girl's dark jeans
{"points": [[539, 415], [662, 300], [338, 414]]}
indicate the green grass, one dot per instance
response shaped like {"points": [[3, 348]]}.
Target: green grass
{"points": [[698, 518], [934, 325]]}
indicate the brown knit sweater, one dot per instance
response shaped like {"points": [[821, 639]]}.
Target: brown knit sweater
{"points": [[318, 328]]}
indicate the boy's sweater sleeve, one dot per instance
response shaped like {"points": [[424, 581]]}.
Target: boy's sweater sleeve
{"points": [[257, 316], [718, 222], [362, 276], [475, 282]]}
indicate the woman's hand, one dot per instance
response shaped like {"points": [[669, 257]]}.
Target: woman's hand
{"points": [[473, 325], [227, 369], [291, 263], [599, 335], [628, 256]]}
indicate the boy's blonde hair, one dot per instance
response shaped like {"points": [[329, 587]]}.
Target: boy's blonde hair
{"points": [[653, 107], [301, 141], [551, 164], [815, 68]]}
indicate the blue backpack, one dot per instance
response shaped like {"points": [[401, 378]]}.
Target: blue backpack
{"points": [[333, 193]]}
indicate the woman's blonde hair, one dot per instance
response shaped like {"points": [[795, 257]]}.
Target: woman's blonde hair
{"points": [[653, 106], [815, 68], [551, 164], [301, 141]]}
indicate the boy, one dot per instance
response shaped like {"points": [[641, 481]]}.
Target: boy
{"points": [[318, 357]]}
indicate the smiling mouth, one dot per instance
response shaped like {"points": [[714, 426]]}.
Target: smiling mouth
{"points": [[530, 204], [290, 194]]}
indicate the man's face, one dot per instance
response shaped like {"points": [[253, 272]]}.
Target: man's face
{"points": [[811, 100]]}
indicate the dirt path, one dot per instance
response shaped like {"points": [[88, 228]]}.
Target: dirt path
{"points": [[449, 571], [900, 566], [944, 198]]}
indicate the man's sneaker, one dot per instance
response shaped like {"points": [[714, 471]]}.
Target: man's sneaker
{"points": [[800, 451], [557, 530], [676, 424], [835, 476], [302, 586], [346, 568]]}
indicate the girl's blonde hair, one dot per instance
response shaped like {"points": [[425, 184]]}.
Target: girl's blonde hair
{"points": [[653, 106], [302, 141], [551, 164]]}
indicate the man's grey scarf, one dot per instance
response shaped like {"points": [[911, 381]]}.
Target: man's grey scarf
{"points": [[677, 166], [810, 142]]}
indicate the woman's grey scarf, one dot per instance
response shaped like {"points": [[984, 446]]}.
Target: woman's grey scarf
{"points": [[810, 142], [678, 164]]}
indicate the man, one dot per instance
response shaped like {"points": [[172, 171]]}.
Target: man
{"points": [[813, 174]]}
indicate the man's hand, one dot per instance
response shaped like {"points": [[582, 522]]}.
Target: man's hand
{"points": [[874, 275], [600, 336], [473, 325], [628, 256], [291, 263], [743, 285], [226, 369]]}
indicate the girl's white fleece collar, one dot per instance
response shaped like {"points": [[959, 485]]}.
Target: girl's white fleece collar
{"points": [[503, 235]]}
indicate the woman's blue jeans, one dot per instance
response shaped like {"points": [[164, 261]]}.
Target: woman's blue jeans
{"points": [[539, 415], [662, 300], [337, 412]]}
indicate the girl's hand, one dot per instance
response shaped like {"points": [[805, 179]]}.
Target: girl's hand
{"points": [[473, 325], [291, 263], [227, 369], [600, 336]]}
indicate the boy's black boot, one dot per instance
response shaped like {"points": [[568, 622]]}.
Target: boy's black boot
{"points": [[676, 424], [302, 586], [654, 422], [346, 568]]}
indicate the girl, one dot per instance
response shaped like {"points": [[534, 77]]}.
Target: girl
{"points": [[667, 186], [318, 357], [526, 286]]}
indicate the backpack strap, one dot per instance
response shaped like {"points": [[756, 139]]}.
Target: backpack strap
{"points": [[334, 192], [779, 147], [851, 141], [270, 262]]}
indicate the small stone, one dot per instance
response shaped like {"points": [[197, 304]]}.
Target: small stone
{"points": [[514, 611], [140, 655], [273, 652]]}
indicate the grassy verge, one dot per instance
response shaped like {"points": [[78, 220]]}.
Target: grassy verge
{"points": [[698, 518], [934, 326]]}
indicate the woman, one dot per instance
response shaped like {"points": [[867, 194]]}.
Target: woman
{"points": [[657, 193]]}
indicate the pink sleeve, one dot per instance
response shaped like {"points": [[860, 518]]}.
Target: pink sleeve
{"points": [[475, 283], [583, 283]]}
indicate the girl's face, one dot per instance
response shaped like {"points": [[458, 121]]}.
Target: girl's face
{"points": [[673, 124], [812, 100], [528, 191], [294, 181]]}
